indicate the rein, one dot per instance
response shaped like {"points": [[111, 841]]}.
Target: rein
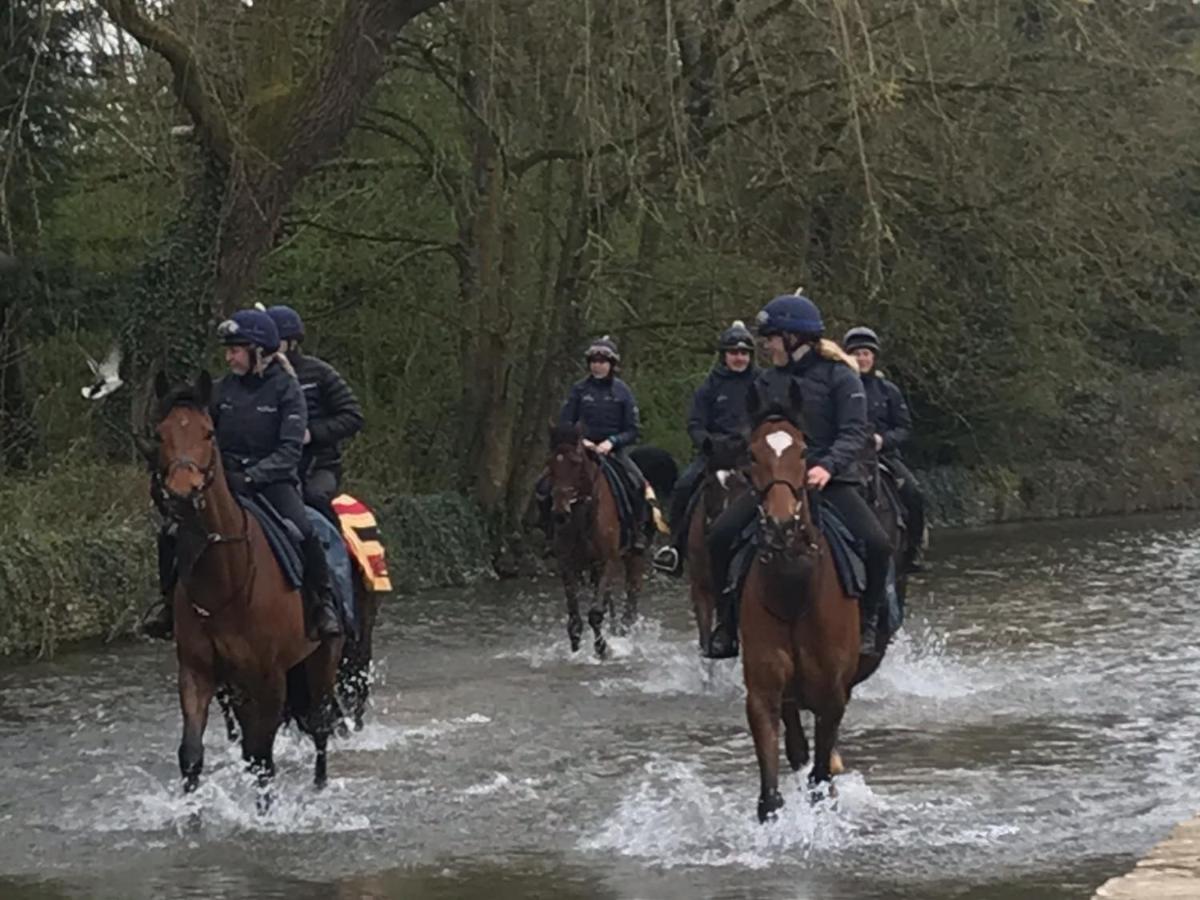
{"points": [[198, 502]]}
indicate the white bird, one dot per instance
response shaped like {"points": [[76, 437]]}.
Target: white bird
{"points": [[107, 375]]}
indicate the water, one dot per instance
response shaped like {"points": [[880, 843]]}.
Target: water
{"points": [[1030, 734]]}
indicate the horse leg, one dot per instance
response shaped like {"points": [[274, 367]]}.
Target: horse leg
{"points": [[264, 713], [196, 687], [635, 572], [828, 723], [600, 602], [795, 742], [369, 611], [225, 701], [571, 581], [321, 671]]}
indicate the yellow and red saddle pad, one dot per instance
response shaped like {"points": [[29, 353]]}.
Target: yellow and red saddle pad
{"points": [[361, 533]]}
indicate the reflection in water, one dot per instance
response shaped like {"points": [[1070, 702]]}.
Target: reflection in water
{"points": [[1028, 734]]}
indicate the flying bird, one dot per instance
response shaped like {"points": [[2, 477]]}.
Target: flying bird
{"points": [[107, 375]]}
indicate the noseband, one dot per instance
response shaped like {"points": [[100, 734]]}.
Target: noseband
{"points": [[794, 538]]}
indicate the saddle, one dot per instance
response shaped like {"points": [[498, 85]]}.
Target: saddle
{"points": [[624, 489], [849, 561], [284, 539]]}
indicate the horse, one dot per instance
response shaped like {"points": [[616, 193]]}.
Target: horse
{"points": [[587, 537], [725, 479], [237, 620], [800, 630]]}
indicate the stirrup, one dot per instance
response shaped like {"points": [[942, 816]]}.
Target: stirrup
{"points": [[667, 560]]}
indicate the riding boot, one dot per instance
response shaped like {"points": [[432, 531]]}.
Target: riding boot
{"points": [[723, 642], [322, 614], [159, 620], [869, 628]]}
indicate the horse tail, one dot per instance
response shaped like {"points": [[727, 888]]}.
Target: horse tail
{"points": [[659, 467]]}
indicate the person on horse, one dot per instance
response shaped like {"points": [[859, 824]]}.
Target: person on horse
{"points": [[891, 428], [259, 420], [604, 407], [718, 408], [834, 418], [334, 415]]}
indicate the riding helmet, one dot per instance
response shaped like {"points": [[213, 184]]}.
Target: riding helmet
{"points": [[604, 348], [736, 337], [249, 328], [790, 313], [288, 321], [861, 338]]}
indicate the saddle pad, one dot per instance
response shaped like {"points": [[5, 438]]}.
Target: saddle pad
{"points": [[282, 536], [361, 534], [620, 489], [340, 575]]}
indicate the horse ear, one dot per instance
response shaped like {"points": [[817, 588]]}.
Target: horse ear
{"points": [[706, 447], [204, 387], [578, 431], [162, 386]]}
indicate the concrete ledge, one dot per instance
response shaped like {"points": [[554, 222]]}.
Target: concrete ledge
{"points": [[1170, 871]]}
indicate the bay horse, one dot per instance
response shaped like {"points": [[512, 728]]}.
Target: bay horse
{"points": [[726, 477], [587, 538], [799, 628], [237, 620]]}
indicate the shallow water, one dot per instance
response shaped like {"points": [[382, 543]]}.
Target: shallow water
{"points": [[1029, 734]]}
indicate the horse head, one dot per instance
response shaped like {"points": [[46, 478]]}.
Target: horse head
{"points": [[727, 464], [778, 473], [572, 473], [183, 454]]}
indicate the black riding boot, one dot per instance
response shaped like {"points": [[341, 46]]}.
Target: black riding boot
{"points": [[669, 559], [869, 627], [723, 642], [159, 620], [322, 614]]}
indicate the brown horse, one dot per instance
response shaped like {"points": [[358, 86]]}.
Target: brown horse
{"points": [[587, 537], [237, 621], [800, 630], [725, 479]]}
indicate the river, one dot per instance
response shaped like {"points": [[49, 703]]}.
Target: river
{"points": [[1033, 729]]}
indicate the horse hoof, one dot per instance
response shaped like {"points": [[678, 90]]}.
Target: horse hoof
{"points": [[574, 644], [190, 784], [601, 647], [358, 722], [836, 766], [768, 807]]}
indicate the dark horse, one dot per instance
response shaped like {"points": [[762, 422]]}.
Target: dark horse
{"points": [[587, 537], [237, 621], [725, 479], [800, 630]]}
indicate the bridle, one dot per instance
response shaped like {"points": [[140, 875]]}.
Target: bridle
{"points": [[795, 537], [175, 508], [584, 490]]}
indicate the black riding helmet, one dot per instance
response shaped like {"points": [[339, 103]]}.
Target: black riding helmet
{"points": [[861, 338], [736, 337]]}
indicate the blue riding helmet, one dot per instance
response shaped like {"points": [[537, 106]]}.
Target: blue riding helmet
{"points": [[861, 338], [249, 328], [288, 321], [792, 314]]}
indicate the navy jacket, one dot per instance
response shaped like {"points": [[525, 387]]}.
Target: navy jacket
{"points": [[887, 413], [719, 404], [260, 422], [606, 409], [333, 411], [834, 411]]}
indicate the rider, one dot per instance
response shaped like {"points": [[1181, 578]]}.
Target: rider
{"points": [[259, 421], [835, 422], [891, 426], [333, 414], [718, 408], [606, 409]]}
